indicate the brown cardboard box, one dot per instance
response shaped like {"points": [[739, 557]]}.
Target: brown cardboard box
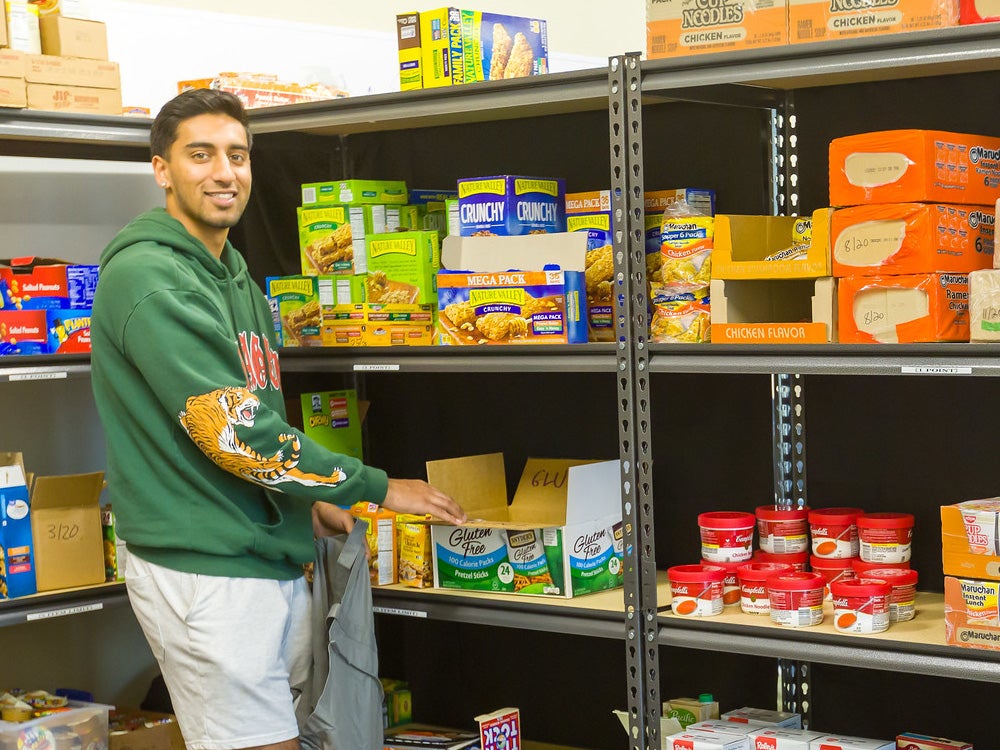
{"points": [[66, 528], [13, 92], [74, 99], [143, 730], [11, 63], [73, 37], [71, 71], [4, 37]]}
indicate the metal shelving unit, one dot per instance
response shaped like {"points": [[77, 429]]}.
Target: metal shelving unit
{"points": [[62, 603]]}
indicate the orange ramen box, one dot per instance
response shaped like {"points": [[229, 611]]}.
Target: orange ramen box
{"points": [[978, 11], [903, 309], [820, 20], [686, 27], [904, 238], [972, 613], [970, 538], [911, 166]]}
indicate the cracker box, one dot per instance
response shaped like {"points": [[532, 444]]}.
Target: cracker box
{"points": [[905, 238], [497, 46], [66, 527], [970, 540], [914, 166], [380, 534], [295, 309], [332, 419], [441, 47], [508, 205], [972, 613], [978, 11], [903, 309], [326, 241], [17, 552], [387, 192], [599, 271], [44, 331], [914, 741], [820, 20], [781, 719], [30, 283], [841, 742], [402, 267], [560, 536], [408, 42], [686, 27]]}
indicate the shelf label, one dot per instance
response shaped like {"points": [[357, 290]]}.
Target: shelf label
{"points": [[935, 370], [49, 613], [60, 375], [399, 612], [376, 368]]}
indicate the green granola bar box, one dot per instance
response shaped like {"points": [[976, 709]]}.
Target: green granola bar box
{"points": [[402, 267]]}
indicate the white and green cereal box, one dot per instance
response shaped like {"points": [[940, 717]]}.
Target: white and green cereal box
{"points": [[295, 309], [402, 267], [326, 240], [332, 419]]}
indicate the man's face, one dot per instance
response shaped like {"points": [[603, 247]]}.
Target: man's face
{"points": [[207, 175]]}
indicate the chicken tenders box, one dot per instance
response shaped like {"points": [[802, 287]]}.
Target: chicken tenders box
{"points": [[17, 553], [506, 205], [970, 538], [903, 309], [560, 536], [513, 290], [819, 20], [67, 531], [905, 238], [685, 27], [904, 166], [497, 47], [600, 264], [31, 283]]}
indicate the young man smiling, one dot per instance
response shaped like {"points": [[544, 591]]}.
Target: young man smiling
{"points": [[216, 496]]}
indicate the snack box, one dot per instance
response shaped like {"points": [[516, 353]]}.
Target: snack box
{"points": [[441, 47], [774, 311], [821, 20], [326, 241], [44, 331], [838, 742], [257, 90], [780, 738], [560, 536], [333, 419], [914, 166], [905, 238], [780, 719], [588, 202], [402, 267], [687, 27], [750, 247], [368, 324], [599, 271], [31, 283], [295, 309], [507, 205], [388, 192], [914, 741], [410, 53], [977, 11], [114, 546], [380, 534], [17, 550], [970, 540], [497, 46], [903, 309], [416, 557], [984, 305]]}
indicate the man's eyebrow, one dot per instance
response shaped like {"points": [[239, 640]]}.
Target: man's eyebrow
{"points": [[207, 145]]}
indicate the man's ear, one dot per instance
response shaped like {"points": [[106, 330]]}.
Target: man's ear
{"points": [[160, 171]]}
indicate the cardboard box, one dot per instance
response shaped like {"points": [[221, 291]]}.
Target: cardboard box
{"points": [[498, 46], [71, 71], [32, 283], [841, 742], [22, 27], [782, 738], [11, 63], [743, 242], [13, 93], [332, 419], [903, 309], [821, 20], [914, 166], [4, 38], [44, 331], [144, 730], [17, 550], [780, 719], [970, 542], [295, 309], [73, 37], [66, 526], [599, 271], [700, 739], [914, 741], [402, 267], [485, 304], [686, 27], [326, 241], [977, 11], [91, 101], [381, 537], [906, 238], [387, 192], [507, 205], [560, 536], [441, 47], [972, 613], [774, 311], [256, 90], [397, 703], [370, 324], [114, 547], [408, 41]]}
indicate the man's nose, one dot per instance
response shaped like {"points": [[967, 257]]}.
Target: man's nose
{"points": [[223, 171]]}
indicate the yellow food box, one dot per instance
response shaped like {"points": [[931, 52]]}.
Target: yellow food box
{"points": [[381, 538], [416, 558]]}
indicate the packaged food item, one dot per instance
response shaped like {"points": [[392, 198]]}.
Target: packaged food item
{"points": [[526, 553], [832, 569], [696, 590], [508, 205], [416, 563], [860, 605], [914, 741], [684, 318], [903, 596], [726, 536], [497, 46], [686, 242], [783, 719], [977, 11], [686, 27], [402, 267], [782, 530], [984, 305], [380, 534], [821, 20], [885, 537], [798, 560], [970, 542], [796, 599], [753, 578], [834, 532], [731, 584]]}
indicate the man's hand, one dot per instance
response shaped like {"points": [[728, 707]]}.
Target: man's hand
{"points": [[329, 519], [418, 497]]}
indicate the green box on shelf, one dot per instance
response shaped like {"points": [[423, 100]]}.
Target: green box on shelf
{"points": [[354, 191], [402, 267], [333, 420]]}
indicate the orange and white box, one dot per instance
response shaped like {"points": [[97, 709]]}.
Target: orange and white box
{"points": [[970, 538], [821, 20], [904, 238], [972, 613], [381, 538], [700, 739], [914, 166], [584, 203], [903, 309], [686, 27], [978, 11], [773, 738]]}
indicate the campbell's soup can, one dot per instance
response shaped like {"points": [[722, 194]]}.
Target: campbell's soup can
{"points": [[903, 597], [885, 537], [731, 586], [726, 536], [834, 532], [753, 586], [832, 569], [696, 590], [782, 531], [861, 605], [796, 599]]}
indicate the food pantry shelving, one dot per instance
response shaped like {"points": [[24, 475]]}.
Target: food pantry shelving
{"points": [[699, 414]]}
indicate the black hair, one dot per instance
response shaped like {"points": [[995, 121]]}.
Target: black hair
{"points": [[190, 104]]}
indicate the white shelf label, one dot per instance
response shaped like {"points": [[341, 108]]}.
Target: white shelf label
{"points": [[93, 607], [376, 368], [60, 375], [935, 370], [399, 612]]}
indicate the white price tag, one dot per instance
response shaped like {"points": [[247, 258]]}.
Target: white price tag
{"points": [[376, 368], [935, 370], [399, 612], [61, 375], [49, 613]]}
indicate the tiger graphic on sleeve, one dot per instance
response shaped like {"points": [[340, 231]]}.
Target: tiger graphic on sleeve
{"points": [[210, 419]]}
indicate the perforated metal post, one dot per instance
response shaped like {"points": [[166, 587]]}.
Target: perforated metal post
{"points": [[631, 330], [788, 440]]}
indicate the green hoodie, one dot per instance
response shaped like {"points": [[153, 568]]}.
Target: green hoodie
{"points": [[206, 476]]}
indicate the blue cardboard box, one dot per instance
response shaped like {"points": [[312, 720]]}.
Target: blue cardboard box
{"points": [[498, 46], [17, 552], [508, 205]]}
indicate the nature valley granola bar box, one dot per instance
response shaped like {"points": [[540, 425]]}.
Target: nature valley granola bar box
{"points": [[498, 47], [599, 271], [402, 267], [441, 47], [295, 309], [506, 205], [326, 241], [354, 191], [416, 558]]}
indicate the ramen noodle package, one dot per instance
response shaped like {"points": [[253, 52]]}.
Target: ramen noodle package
{"points": [[686, 242]]}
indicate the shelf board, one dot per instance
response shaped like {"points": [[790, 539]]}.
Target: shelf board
{"points": [[938, 360], [44, 367], [61, 603], [61, 127], [916, 646]]}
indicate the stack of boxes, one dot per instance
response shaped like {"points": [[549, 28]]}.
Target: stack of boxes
{"points": [[970, 548], [913, 219]]}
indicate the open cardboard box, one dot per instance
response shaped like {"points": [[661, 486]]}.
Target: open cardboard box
{"points": [[774, 311], [560, 536], [66, 526], [742, 243]]}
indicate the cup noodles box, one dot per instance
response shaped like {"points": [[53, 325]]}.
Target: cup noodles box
{"points": [[783, 719], [837, 742], [685, 27], [970, 538], [560, 536], [904, 238], [508, 205], [497, 46], [44, 331], [402, 267], [30, 283], [903, 309], [17, 556], [914, 166], [913, 741], [772, 738], [819, 20], [978, 11]]}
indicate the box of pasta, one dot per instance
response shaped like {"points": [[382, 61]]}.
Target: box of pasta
{"points": [[497, 46]]}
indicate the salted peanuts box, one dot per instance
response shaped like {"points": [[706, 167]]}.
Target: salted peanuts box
{"points": [[685, 27], [972, 613], [970, 541], [32, 283], [910, 166], [903, 309], [905, 238], [820, 20]]}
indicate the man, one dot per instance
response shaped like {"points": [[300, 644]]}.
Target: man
{"points": [[216, 496]]}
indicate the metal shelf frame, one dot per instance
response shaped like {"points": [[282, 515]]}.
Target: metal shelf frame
{"points": [[62, 604]]}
